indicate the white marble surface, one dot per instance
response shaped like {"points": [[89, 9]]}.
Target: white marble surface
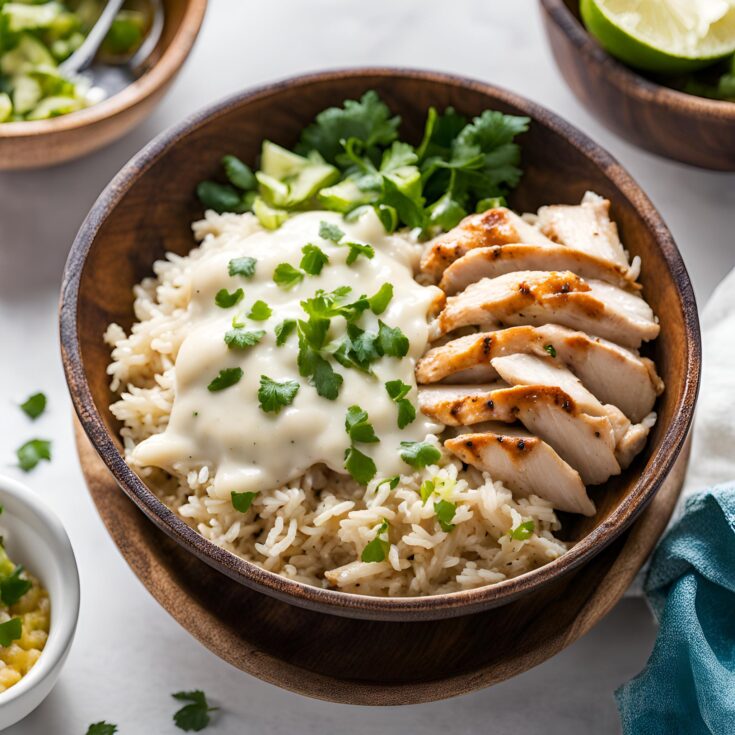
{"points": [[129, 655]]}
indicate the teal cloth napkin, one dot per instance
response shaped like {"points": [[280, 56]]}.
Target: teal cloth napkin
{"points": [[688, 684]]}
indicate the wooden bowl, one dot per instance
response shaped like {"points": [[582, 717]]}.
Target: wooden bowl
{"points": [[681, 126], [41, 143], [148, 208]]}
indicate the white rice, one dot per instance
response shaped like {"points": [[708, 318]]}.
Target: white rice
{"points": [[314, 529]]}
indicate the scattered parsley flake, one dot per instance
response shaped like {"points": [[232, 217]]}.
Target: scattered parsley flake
{"points": [[419, 454], [284, 330], [359, 465], [225, 300], [392, 341], [329, 231], [326, 381], [522, 531], [240, 339], [102, 728], [32, 452], [286, 276], [398, 390], [356, 250], [273, 396], [426, 490], [242, 501], [34, 405], [244, 266], [11, 630], [12, 588], [445, 514], [392, 482], [551, 350], [379, 547], [226, 378], [379, 301], [314, 259], [195, 715], [260, 311], [358, 427]]}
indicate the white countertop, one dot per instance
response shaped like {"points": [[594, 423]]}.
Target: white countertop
{"points": [[129, 655]]}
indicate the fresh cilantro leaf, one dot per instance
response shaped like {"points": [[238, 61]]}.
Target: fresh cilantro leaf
{"points": [[446, 212], [239, 339], [244, 266], [227, 377], [12, 588], [522, 531], [445, 513], [326, 381], [329, 231], [242, 501], [314, 259], [392, 482], [439, 132], [356, 250], [392, 341], [381, 298], [420, 454], [551, 350], [195, 715], [397, 389], [10, 631], [357, 349], [379, 547], [239, 173], [222, 197], [426, 490], [34, 405], [388, 216], [314, 331], [32, 452], [273, 396], [358, 427], [102, 728], [286, 276], [260, 311], [398, 156], [359, 465], [327, 304], [225, 300], [284, 330]]}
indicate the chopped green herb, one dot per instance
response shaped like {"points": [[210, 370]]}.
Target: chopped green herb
{"points": [[356, 250], [398, 390], [426, 490], [239, 173], [283, 330], [242, 501], [522, 531], [392, 341], [102, 728], [420, 454], [12, 588], [227, 377], [392, 482], [260, 311], [34, 405], [326, 381], [445, 513], [360, 466], [222, 198], [244, 266], [358, 427], [551, 350], [32, 452], [286, 276], [379, 301], [314, 259], [357, 349], [311, 364], [225, 300], [273, 396], [379, 547], [10, 631], [194, 716], [328, 231], [240, 339]]}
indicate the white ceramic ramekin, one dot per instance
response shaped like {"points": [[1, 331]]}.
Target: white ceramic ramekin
{"points": [[37, 540]]}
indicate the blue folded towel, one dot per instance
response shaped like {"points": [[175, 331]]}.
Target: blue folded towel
{"points": [[688, 685]]}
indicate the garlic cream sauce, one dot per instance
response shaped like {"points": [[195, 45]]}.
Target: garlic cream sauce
{"points": [[245, 448]]}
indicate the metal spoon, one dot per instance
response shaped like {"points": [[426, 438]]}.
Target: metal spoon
{"points": [[109, 79]]}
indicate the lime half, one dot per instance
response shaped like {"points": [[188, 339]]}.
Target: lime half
{"points": [[665, 36]]}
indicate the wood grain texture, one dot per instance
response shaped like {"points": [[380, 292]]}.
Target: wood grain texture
{"points": [[148, 208], [344, 660], [684, 127], [43, 143]]}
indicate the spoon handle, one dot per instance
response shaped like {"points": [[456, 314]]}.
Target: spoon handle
{"points": [[83, 56]]}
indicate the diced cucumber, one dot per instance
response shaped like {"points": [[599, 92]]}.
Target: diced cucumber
{"points": [[52, 83], [6, 107], [273, 191], [27, 93], [29, 53], [270, 217], [6, 566], [55, 106], [309, 181], [344, 196], [280, 163], [408, 181], [26, 17]]}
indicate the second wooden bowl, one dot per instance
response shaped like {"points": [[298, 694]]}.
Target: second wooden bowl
{"points": [[148, 208], [681, 126]]}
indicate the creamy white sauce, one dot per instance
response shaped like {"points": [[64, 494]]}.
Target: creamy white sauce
{"points": [[246, 448]]}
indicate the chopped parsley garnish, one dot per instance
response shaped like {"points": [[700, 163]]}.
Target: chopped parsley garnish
{"points": [[358, 427], [32, 452], [284, 330], [34, 405], [398, 390], [392, 482], [356, 250], [10, 631], [445, 514], [273, 396], [379, 301], [312, 337], [227, 377], [225, 300], [194, 716], [240, 339], [420, 454], [102, 728], [357, 349], [242, 501], [244, 266], [286, 276], [12, 588], [359, 465], [426, 490], [551, 350], [392, 341], [522, 531], [260, 311], [379, 547], [328, 231], [314, 259]]}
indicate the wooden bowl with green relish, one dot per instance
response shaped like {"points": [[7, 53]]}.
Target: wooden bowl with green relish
{"points": [[148, 209], [47, 118]]}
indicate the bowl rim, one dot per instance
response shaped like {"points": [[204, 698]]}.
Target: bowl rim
{"points": [[64, 617], [157, 76], [331, 601], [625, 78]]}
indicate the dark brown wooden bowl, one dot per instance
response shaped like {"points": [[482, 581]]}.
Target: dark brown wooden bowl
{"points": [[681, 126], [148, 208]]}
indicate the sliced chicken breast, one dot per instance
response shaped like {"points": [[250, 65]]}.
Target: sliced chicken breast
{"points": [[611, 373], [498, 260], [586, 442], [525, 464], [541, 297], [586, 228], [497, 226]]}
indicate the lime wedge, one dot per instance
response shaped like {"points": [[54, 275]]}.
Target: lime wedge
{"points": [[665, 36]]}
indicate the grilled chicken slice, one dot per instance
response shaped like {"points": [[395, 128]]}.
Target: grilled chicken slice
{"points": [[525, 464], [541, 297], [498, 260], [586, 228], [613, 374], [497, 226], [586, 442]]}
